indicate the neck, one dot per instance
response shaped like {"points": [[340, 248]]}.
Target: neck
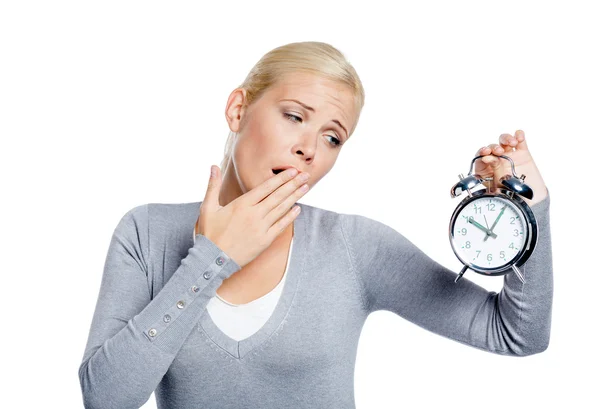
{"points": [[230, 188]]}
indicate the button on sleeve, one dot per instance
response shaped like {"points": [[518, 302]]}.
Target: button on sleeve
{"points": [[130, 316], [185, 296]]}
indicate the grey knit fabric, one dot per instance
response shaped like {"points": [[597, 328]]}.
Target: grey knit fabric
{"points": [[150, 330]]}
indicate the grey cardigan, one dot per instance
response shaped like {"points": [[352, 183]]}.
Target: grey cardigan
{"points": [[150, 330]]}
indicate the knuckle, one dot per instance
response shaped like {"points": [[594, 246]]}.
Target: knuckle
{"points": [[263, 238], [278, 208]]}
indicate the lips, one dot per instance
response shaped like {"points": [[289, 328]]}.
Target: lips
{"points": [[280, 169]]}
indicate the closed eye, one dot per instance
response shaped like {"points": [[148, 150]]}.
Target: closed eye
{"points": [[336, 142], [290, 116]]}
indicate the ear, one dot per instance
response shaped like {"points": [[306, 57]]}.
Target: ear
{"points": [[235, 109]]}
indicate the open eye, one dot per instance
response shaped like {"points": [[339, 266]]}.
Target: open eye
{"points": [[335, 140], [294, 118]]}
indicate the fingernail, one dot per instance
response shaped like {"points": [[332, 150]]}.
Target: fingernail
{"points": [[292, 171], [213, 172]]}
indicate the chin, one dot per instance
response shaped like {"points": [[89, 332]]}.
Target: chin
{"points": [[251, 181]]}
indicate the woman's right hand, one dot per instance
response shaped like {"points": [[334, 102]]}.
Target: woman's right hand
{"points": [[248, 225]]}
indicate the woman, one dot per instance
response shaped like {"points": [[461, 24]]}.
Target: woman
{"points": [[238, 301]]}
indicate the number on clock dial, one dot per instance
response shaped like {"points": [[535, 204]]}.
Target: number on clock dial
{"points": [[469, 239]]}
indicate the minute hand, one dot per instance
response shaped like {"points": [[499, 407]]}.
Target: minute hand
{"points": [[495, 222]]}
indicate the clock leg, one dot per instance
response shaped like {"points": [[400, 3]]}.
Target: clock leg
{"points": [[518, 273], [460, 274]]}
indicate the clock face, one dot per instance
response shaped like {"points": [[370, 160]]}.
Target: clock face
{"points": [[489, 232]]}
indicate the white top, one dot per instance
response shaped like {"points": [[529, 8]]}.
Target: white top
{"points": [[239, 321]]}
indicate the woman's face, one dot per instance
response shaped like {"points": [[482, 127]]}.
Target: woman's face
{"points": [[277, 132]]}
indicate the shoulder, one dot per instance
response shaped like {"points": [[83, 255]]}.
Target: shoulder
{"points": [[371, 238], [359, 232], [161, 214], [157, 218], [348, 222], [325, 222], [357, 224], [133, 219], [318, 217]]}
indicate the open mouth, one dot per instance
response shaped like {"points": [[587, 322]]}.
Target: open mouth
{"points": [[277, 171]]}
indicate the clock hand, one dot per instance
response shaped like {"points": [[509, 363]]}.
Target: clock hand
{"points": [[487, 231], [488, 226], [496, 221]]}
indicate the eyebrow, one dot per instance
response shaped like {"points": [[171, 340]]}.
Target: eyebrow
{"points": [[313, 110]]}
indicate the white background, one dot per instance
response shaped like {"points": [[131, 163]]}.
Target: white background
{"points": [[108, 105]]}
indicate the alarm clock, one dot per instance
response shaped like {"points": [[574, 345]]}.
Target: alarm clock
{"points": [[493, 232]]}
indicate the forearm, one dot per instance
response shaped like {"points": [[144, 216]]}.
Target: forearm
{"points": [[397, 276], [134, 337]]}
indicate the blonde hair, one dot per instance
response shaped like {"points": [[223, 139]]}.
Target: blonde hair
{"points": [[308, 57]]}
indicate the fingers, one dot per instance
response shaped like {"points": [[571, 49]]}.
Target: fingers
{"points": [[491, 149], [514, 142], [481, 163], [521, 142], [257, 194], [491, 152], [211, 199], [508, 142], [484, 151], [281, 201], [278, 227], [490, 163]]}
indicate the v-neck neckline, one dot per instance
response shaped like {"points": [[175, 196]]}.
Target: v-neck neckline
{"points": [[239, 349]]}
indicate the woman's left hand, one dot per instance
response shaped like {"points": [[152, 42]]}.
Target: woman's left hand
{"points": [[515, 147]]}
